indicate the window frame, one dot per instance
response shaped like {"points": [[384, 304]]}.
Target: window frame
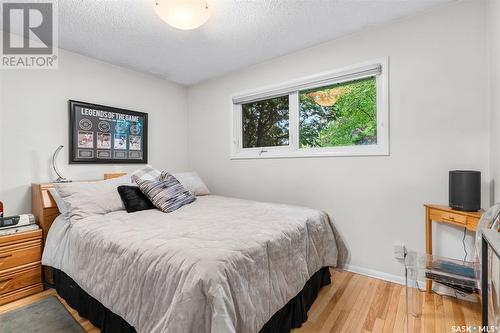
{"points": [[378, 68]]}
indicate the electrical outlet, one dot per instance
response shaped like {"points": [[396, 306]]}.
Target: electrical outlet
{"points": [[399, 251]]}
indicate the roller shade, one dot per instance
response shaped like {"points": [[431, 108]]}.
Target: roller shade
{"points": [[309, 82]]}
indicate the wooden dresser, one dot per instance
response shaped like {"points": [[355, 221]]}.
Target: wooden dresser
{"points": [[20, 266]]}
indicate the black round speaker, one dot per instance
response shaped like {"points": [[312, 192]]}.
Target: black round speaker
{"points": [[465, 190]]}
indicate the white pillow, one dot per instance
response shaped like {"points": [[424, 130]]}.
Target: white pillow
{"points": [[61, 205], [192, 182], [85, 199]]}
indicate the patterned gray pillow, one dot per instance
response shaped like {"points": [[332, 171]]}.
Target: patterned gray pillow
{"points": [[146, 173], [166, 193]]}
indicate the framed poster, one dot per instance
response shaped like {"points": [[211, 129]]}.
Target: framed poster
{"points": [[104, 134]]}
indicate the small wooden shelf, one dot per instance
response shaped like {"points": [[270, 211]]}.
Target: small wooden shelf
{"points": [[447, 215]]}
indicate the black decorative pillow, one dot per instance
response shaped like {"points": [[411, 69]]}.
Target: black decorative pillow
{"points": [[166, 193], [133, 199]]}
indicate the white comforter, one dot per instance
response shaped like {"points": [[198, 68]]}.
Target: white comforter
{"points": [[216, 265]]}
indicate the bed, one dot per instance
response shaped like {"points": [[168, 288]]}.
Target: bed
{"points": [[217, 265]]}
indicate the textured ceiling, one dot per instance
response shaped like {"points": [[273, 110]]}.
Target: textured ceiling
{"points": [[239, 33]]}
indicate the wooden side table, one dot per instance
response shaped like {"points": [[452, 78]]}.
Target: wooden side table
{"points": [[20, 268], [445, 214]]}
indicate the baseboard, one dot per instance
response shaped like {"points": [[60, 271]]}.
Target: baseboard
{"points": [[436, 287], [375, 274]]}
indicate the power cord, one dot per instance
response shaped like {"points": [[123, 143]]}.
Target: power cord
{"points": [[463, 243]]}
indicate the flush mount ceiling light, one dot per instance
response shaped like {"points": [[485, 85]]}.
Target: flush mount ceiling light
{"points": [[183, 14]]}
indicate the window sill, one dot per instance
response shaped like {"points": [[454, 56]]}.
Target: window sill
{"points": [[312, 152]]}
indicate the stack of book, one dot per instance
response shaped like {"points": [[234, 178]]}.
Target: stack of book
{"points": [[16, 224], [19, 229]]}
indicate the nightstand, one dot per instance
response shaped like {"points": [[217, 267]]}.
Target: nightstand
{"points": [[445, 214], [20, 266]]}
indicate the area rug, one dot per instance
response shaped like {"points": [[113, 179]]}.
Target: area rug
{"points": [[44, 316]]}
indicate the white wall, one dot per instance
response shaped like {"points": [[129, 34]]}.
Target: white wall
{"points": [[34, 121], [493, 20], [439, 121]]}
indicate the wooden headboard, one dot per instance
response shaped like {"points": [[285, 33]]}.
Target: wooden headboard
{"points": [[113, 175], [44, 207]]}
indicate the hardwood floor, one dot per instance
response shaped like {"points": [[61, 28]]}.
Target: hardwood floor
{"points": [[355, 303]]}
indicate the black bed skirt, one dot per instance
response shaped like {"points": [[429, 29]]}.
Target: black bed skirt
{"points": [[292, 315]]}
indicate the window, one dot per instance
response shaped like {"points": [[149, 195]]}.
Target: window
{"points": [[340, 113], [266, 123], [343, 114]]}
